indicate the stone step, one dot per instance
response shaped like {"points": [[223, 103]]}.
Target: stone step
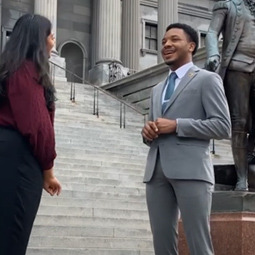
{"points": [[102, 143], [65, 167], [69, 182], [100, 138], [103, 119], [85, 107], [103, 116], [82, 221], [93, 203], [87, 103], [119, 191], [91, 148], [93, 212], [136, 195], [104, 161], [85, 93], [90, 242], [103, 110], [98, 130], [90, 177], [85, 251], [80, 169], [90, 231], [80, 116], [82, 156], [99, 126], [103, 132], [100, 149]]}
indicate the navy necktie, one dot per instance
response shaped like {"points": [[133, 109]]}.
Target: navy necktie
{"points": [[170, 89]]}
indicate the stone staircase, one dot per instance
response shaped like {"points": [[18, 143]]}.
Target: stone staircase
{"points": [[102, 209]]}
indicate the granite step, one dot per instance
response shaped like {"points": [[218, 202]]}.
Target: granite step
{"points": [[91, 251]]}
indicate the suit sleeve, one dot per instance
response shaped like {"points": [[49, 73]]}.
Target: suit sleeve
{"points": [[31, 116], [217, 123], [220, 11]]}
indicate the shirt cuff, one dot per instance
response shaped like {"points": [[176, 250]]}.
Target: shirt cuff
{"points": [[176, 130]]}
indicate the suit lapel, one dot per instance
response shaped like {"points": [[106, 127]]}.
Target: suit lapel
{"points": [[183, 83]]}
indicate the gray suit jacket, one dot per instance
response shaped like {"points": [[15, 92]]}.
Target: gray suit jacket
{"points": [[200, 105]]}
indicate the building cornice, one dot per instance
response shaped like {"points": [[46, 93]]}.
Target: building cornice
{"points": [[195, 11], [187, 9], [152, 3]]}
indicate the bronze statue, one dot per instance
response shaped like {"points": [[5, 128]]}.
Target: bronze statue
{"points": [[235, 20]]}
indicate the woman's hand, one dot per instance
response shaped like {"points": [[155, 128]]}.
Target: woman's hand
{"points": [[51, 183]]}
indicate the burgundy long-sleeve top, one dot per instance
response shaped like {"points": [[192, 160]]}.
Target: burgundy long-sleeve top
{"points": [[25, 110]]}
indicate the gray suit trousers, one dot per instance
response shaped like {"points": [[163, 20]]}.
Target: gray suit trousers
{"points": [[164, 200]]}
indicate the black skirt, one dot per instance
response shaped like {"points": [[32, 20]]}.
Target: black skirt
{"points": [[21, 183]]}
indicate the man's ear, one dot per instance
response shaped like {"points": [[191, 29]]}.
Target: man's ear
{"points": [[192, 46]]}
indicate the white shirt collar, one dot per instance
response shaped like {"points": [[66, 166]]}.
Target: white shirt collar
{"points": [[181, 71]]}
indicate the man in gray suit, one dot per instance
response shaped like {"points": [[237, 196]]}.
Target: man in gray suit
{"points": [[179, 172], [235, 19]]}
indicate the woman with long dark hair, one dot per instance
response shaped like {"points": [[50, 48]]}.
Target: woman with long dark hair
{"points": [[27, 140]]}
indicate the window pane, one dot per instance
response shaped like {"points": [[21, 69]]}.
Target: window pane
{"points": [[147, 30], [153, 44], [147, 43], [153, 32]]}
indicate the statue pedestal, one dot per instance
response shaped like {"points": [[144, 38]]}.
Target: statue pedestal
{"points": [[225, 177], [232, 224]]}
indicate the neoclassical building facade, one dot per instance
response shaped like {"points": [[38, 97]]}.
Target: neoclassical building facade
{"points": [[103, 40]]}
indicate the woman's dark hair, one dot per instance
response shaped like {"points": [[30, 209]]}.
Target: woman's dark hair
{"points": [[189, 31], [28, 42]]}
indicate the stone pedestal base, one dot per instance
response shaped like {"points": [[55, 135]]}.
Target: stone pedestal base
{"points": [[99, 74], [58, 70], [233, 233], [107, 72], [232, 224]]}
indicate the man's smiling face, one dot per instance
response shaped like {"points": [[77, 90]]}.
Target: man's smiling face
{"points": [[176, 48]]}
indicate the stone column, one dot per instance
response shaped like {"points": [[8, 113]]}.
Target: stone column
{"points": [[48, 8], [106, 39], [130, 34], [167, 14], [94, 33]]}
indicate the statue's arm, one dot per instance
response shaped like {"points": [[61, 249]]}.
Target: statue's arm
{"points": [[220, 12]]}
